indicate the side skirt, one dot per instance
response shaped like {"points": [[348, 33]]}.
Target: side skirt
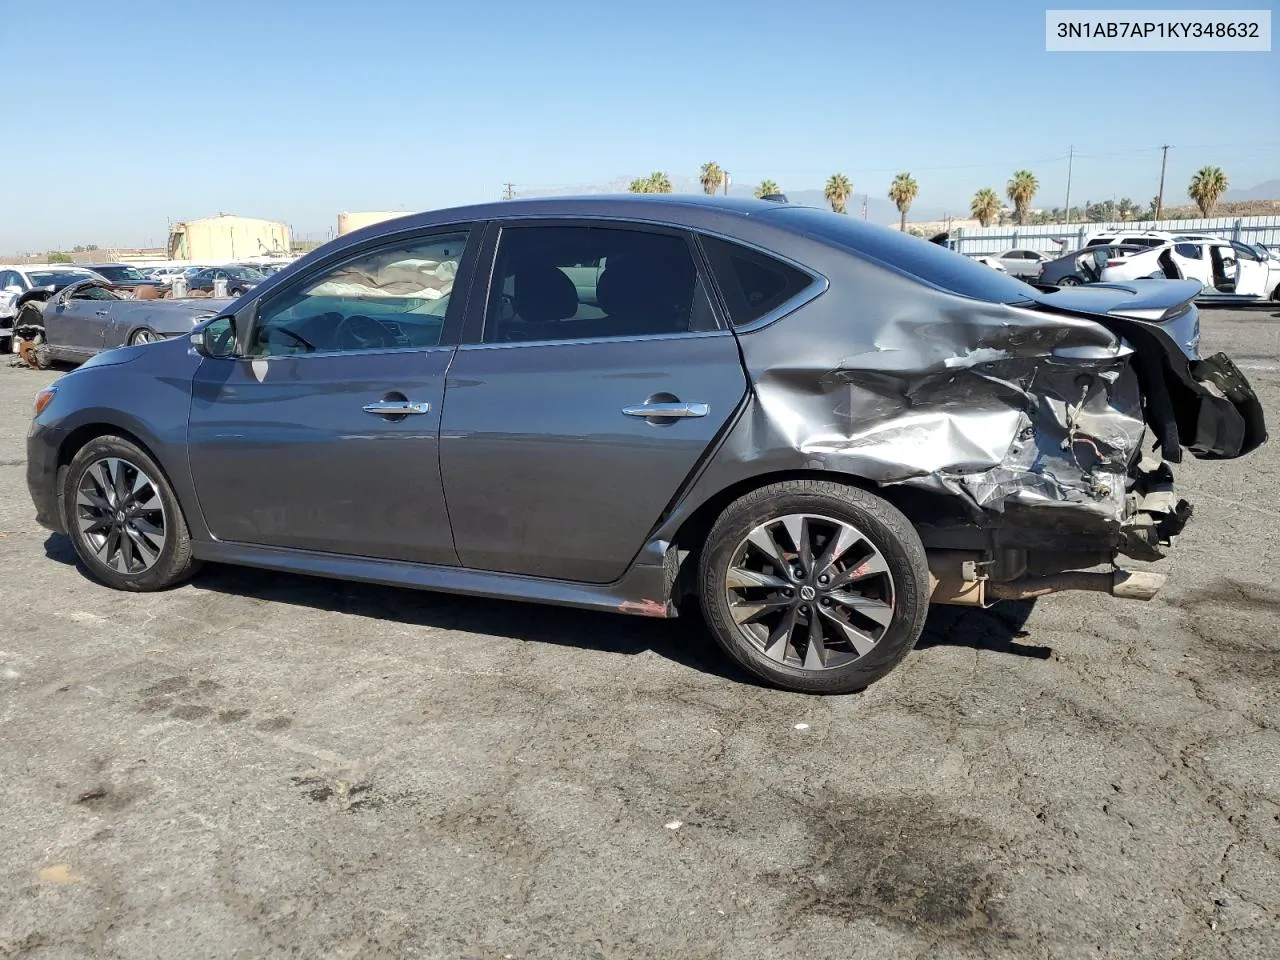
{"points": [[642, 590]]}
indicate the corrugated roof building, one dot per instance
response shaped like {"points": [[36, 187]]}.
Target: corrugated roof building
{"points": [[227, 237]]}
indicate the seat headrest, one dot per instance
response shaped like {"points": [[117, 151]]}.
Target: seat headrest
{"points": [[544, 293], [654, 288]]}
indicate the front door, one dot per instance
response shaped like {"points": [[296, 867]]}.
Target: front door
{"points": [[573, 424], [324, 435], [74, 323]]}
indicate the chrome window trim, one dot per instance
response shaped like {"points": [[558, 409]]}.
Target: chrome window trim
{"points": [[816, 289], [576, 341], [344, 353]]}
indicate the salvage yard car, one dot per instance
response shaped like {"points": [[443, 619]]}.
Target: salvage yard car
{"points": [[812, 425], [1084, 266], [88, 316], [239, 280], [1022, 263], [18, 280], [1227, 271]]}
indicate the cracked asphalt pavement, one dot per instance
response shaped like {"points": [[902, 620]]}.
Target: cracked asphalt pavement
{"points": [[261, 765]]}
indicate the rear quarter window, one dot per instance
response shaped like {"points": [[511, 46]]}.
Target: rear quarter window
{"points": [[753, 284]]}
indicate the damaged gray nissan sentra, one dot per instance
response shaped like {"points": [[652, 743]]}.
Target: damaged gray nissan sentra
{"points": [[813, 425]]}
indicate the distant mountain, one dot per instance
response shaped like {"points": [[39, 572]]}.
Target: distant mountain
{"points": [[1269, 190]]}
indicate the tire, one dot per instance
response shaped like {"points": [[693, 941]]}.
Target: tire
{"points": [[144, 335], [6, 342], [129, 568], [1069, 281], [871, 540]]}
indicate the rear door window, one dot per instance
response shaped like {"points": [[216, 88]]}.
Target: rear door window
{"points": [[753, 284], [571, 282]]}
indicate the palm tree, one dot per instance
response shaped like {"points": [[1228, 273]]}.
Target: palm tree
{"points": [[903, 191], [839, 190], [712, 177], [985, 206], [1127, 209], [1021, 189], [767, 187], [641, 185], [1206, 187], [660, 181]]}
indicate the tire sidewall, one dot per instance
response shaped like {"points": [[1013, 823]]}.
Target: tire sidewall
{"points": [[174, 555], [897, 542]]}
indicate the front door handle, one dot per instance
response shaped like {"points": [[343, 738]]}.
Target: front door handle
{"points": [[394, 408], [103, 313], [677, 409]]}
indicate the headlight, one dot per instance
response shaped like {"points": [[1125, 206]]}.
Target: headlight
{"points": [[43, 399]]}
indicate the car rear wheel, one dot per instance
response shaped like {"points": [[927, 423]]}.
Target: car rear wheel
{"points": [[1069, 281], [124, 519], [143, 336], [815, 586]]}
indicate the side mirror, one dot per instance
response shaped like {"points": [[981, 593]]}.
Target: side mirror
{"points": [[215, 338]]}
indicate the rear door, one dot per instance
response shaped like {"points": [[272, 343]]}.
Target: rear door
{"points": [[575, 415]]}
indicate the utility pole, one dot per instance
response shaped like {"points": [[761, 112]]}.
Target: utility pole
{"points": [[508, 192], [1160, 196], [726, 183], [1071, 153], [864, 206]]}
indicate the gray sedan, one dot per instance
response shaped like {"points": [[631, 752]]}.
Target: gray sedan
{"points": [[85, 318], [809, 426]]}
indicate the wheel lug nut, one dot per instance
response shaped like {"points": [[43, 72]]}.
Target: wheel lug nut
{"points": [[826, 601], [823, 579]]}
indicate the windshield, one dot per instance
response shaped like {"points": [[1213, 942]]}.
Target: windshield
{"points": [[243, 273], [921, 259], [120, 274], [58, 278]]}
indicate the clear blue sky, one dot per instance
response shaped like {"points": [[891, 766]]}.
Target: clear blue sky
{"points": [[297, 111]]}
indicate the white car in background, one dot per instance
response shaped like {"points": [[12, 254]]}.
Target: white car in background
{"points": [[1227, 270], [17, 279], [1024, 264], [1132, 238]]}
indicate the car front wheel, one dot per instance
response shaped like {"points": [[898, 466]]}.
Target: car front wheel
{"points": [[814, 585], [124, 519]]}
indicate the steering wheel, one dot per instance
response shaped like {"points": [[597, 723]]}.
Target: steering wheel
{"points": [[359, 332]]}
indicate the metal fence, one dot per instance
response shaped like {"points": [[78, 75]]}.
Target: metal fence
{"points": [[996, 240]]}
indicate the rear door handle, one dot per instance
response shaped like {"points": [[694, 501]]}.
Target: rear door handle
{"points": [[385, 408], [678, 409]]}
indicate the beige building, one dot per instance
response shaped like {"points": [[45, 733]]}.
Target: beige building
{"points": [[354, 221], [226, 237]]}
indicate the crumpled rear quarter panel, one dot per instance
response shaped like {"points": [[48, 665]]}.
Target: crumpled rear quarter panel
{"points": [[995, 407]]}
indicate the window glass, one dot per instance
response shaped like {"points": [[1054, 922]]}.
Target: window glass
{"points": [[8, 279], [569, 283], [753, 284], [393, 297], [1098, 241], [1189, 250], [93, 293]]}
